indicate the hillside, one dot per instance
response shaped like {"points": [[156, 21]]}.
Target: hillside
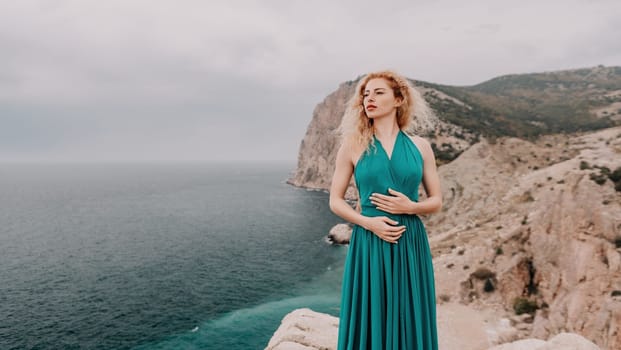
{"points": [[528, 105]]}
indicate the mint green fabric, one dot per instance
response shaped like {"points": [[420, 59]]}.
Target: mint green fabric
{"points": [[388, 293]]}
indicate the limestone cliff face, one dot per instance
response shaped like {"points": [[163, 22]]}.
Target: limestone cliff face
{"points": [[528, 220], [318, 148]]}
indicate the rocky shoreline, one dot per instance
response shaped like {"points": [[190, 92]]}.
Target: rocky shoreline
{"points": [[458, 329]]}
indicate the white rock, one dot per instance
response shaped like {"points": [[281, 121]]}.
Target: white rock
{"points": [[459, 327], [288, 345], [568, 341], [523, 326], [523, 318], [305, 329], [562, 341], [340, 234], [524, 344]]}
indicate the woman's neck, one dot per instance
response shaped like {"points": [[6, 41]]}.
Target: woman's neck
{"points": [[385, 128]]}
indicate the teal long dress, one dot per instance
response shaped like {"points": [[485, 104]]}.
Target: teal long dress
{"points": [[388, 293]]}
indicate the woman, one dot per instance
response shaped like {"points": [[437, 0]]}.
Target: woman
{"points": [[388, 295]]}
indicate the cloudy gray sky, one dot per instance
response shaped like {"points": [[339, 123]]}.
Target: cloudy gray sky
{"points": [[147, 80]]}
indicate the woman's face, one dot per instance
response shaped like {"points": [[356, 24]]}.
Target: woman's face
{"points": [[379, 99]]}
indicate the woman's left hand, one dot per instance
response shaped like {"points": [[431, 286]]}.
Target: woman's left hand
{"points": [[398, 203]]}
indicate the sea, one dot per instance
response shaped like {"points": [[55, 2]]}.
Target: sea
{"points": [[160, 255]]}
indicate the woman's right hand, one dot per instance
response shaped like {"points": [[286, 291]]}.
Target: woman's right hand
{"points": [[384, 228]]}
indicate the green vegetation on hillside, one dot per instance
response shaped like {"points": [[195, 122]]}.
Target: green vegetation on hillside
{"points": [[528, 105]]}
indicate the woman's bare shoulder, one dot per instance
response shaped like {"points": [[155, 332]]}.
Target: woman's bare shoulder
{"points": [[350, 150], [423, 145]]}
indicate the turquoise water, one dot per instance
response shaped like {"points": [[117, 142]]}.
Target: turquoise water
{"points": [[159, 256]]}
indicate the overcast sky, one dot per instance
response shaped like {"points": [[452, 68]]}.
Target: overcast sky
{"points": [[149, 80]]}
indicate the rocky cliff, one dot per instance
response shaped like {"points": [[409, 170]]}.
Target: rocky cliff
{"points": [[535, 227], [527, 227], [318, 148]]}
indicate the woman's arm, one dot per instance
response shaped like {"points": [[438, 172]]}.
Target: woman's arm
{"points": [[431, 183], [344, 169]]}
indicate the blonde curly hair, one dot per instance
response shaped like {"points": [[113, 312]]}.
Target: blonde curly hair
{"points": [[357, 128]]}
